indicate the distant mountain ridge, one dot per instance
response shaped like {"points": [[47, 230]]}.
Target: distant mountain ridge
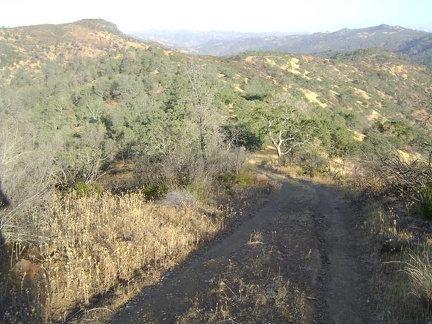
{"points": [[413, 43], [192, 40]]}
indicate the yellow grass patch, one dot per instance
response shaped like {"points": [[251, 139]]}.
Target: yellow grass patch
{"points": [[312, 97], [287, 68], [336, 69], [293, 67], [270, 61], [237, 88], [341, 166], [374, 115], [51, 54], [409, 157], [358, 136], [398, 69], [361, 93], [295, 63], [250, 59], [231, 111], [383, 95], [307, 58], [267, 154]]}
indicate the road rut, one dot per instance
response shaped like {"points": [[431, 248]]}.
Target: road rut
{"points": [[312, 226]]}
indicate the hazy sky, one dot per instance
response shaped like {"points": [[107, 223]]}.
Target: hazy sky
{"points": [[233, 15]]}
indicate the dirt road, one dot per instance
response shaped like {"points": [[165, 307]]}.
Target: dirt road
{"points": [[310, 235]]}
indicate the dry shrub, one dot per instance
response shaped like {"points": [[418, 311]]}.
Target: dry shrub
{"points": [[390, 174], [403, 283], [419, 270], [97, 242], [364, 178], [25, 173]]}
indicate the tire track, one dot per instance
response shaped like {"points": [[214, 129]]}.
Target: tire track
{"points": [[314, 218]]}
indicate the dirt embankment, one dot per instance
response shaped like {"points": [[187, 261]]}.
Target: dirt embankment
{"points": [[305, 236]]}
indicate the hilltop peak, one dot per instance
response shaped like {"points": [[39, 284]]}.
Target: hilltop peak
{"points": [[99, 24], [90, 38], [386, 27]]}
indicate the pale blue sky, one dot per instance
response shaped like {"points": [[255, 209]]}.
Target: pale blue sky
{"points": [[232, 15]]}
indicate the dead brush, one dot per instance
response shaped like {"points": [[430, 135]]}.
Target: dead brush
{"points": [[100, 241]]}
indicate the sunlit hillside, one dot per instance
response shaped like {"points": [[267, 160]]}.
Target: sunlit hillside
{"points": [[111, 147], [30, 46]]}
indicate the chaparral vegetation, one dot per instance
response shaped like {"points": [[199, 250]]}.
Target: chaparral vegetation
{"points": [[119, 158]]}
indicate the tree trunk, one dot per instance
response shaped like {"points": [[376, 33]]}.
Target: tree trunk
{"points": [[203, 148], [4, 201]]}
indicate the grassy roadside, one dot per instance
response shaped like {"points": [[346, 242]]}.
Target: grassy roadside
{"points": [[398, 220], [95, 251], [403, 279], [98, 242]]}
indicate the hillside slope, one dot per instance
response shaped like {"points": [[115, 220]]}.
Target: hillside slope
{"points": [[376, 84], [30, 45], [94, 123], [356, 91]]}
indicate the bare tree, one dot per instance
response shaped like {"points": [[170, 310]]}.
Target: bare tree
{"points": [[25, 170], [283, 124], [204, 113]]}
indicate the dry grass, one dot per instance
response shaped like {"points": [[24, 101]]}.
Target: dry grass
{"points": [[419, 270], [99, 242], [403, 279], [271, 299], [251, 290], [402, 283]]}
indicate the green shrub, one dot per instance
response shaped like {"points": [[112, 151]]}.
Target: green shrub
{"points": [[305, 170], [83, 189], [245, 178], [202, 190], [242, 135], [426, 202], [225, 178], [154, 191]]}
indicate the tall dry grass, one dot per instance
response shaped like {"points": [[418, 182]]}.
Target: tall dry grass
{"points": [[419, 270], [96, 242]]}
